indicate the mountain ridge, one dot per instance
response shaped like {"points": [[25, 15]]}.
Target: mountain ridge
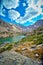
{"points": [[20, 28]]}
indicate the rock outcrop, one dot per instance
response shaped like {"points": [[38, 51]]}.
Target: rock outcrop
{"points": [[13, 58]]}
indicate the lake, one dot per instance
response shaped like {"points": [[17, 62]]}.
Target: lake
{"points": [[11, 39]]}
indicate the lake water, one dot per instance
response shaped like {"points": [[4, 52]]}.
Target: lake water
{"points": [[11, 39]]}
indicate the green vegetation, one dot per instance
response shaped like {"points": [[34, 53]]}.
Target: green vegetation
{"points": [[39, 39], [36, 37], [6, 47]]}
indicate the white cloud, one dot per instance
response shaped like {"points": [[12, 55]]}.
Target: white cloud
{"points": [[24, 4], [33, 10], [29, 1], [13, 15], [1, 11], [30, 13], [2, 14], [40, 2], [10, 3]]}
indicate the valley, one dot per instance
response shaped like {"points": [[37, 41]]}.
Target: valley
{"points": [[27, 43]]}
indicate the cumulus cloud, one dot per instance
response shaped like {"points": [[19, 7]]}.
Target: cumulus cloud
{"points": [[33, 10], [2, 14], [24, 4], [13, 15], [2, 11], [10, 3], [29, 13]]}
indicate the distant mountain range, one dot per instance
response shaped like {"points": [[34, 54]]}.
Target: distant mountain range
{"points": [[30, 28], [37, 24], [19, 28]]}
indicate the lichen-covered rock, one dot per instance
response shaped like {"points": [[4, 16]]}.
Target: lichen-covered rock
{"points": [[8, 58]]}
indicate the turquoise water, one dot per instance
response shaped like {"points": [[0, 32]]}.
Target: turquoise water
{"points": [[11, 39]]}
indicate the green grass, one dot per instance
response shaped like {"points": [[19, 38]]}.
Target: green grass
{"points": [[6, 47], [36, 39]]}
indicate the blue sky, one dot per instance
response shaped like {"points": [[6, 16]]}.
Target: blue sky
{"points": [[24, 12]]}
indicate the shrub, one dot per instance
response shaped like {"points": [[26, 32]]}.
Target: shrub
{"points": [[2, 50]]}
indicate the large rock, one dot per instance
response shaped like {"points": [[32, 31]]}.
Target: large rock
{"points": [[8, 58]]}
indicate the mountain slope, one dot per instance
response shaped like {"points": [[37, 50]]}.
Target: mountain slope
{"points": [[19, 28], [5, 26], [38, 24], [30, 28], [8, 27]]}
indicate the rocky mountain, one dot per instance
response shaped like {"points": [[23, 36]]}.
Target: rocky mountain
{"points": [[4, 26], [30, 28], [19, 28], [7, 29], [37, 24]]}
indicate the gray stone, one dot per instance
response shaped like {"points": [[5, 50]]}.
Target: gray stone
{"points": [[8, 58]]}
